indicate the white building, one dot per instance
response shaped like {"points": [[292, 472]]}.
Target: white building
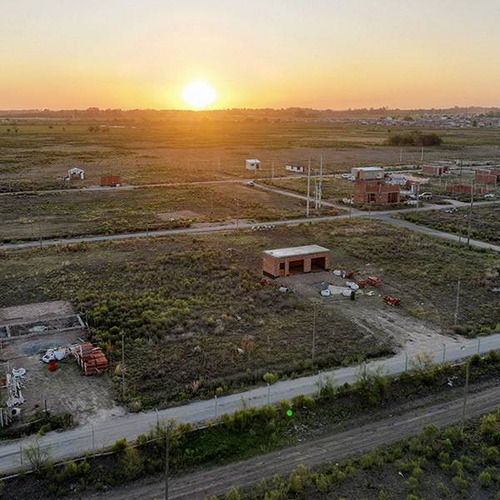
{"points": [[367, 173], [252, 164], [76, 174], [297, 169]]}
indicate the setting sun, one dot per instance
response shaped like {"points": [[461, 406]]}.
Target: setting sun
{"points": [[199, 94]]}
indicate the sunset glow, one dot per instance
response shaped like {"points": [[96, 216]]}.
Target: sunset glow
{"points": [[199, 95], [324, 54]]}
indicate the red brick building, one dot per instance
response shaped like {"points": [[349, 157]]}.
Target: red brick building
{"points": [[466, 189], [434, 170], [377, 192], [289, 261], [110, 180], [491, 176]]}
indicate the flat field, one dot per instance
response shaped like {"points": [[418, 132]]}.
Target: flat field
{"points": [[485, 221], [74, 213], [196, 316], [39, 154]]}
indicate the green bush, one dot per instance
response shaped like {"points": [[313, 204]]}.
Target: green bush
{"points": [[120, 446], [461, 483], [485, 479], [233, 494], [302, 401], [443, 490]]}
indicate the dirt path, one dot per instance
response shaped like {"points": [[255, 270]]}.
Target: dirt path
{"points": [[216, 481]]}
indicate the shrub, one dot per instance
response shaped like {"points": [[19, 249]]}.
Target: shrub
{"points": [[443, 490], [485, 479], [460, 483], [233, 494], [411, 484], [303, 401], [120, 446], [323, 483], [37, 456], [270, 378]]}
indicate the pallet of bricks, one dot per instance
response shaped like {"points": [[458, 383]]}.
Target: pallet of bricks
{"points": [[91, 359]]}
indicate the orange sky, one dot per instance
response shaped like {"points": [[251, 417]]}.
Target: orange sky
{"points": [[274, 53]]}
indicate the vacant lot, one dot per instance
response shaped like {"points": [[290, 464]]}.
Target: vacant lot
{"points": [[196, 316], [334, 189], [39, 155], [485, 222], [31, 216]]}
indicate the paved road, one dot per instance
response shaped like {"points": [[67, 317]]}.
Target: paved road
{"points": [[83, 439], [333, 447]]}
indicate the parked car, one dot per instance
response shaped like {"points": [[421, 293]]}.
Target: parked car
{"points": [[425, 196], [489, 196], [345, 176], [251, 183], [411, 202]]}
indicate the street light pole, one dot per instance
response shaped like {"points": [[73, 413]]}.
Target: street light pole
{"points": [[466, 390], [122, 367], [167, 445], [457, 302], [469, 228], [315, 312]]}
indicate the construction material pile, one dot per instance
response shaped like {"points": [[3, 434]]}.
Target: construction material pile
{"points": [[91, 359], [15, 382]]}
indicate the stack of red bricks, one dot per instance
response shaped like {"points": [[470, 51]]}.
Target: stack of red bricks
{"points": [[91, 359]]}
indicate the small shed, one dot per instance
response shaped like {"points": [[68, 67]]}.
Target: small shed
{"points": [[110, 180], [252, 164], [289, 261], [76, 174], [434, 170], [295, 168]]}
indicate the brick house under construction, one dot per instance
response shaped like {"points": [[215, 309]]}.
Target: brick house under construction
{"points": [[488, 176], [376, 192], [289, 261]]}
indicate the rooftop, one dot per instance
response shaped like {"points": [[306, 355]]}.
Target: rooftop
{"points": [[369, 169], [283, 253]]}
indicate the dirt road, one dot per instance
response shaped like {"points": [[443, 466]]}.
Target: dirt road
{"points": [[383, 215], [101, 435], [312, 453]]}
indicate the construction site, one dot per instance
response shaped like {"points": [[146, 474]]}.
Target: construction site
{"points": [[44, 356]]}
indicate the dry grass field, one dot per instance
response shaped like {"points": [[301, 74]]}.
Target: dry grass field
{"points": [[72, 213], [196, 316], [39, 155]]}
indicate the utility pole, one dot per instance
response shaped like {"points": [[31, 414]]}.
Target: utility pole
{"points": [[457, 302], [469, 228], [237, 213], [308, 186], [320, 181], [466, 390], [315, 313], [122, 367], [167, 445]]}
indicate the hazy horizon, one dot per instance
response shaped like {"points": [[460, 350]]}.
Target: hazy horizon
{"points": [[324, 54]]}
